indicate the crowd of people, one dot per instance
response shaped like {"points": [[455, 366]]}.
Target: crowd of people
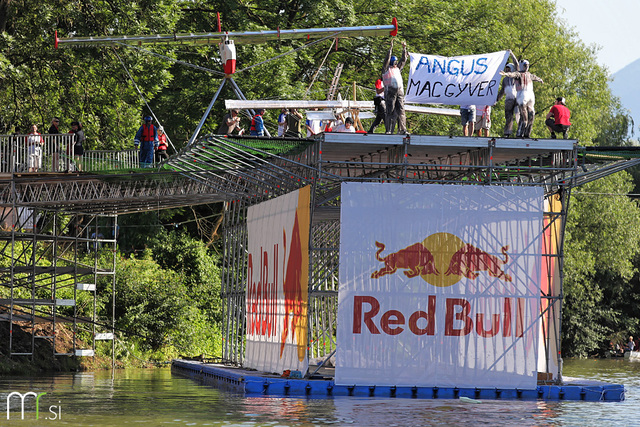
{"points": [[291, 124], [35, 146], [617, 349], [516, 88]]}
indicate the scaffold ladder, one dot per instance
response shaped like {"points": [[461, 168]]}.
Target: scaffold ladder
{"points": [[333, 88]]}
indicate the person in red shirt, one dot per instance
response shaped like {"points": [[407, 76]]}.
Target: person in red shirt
{"points": [[161, 151], [558, 118]]}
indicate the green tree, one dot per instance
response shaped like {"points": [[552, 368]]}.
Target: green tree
{"points": [[39, 82], [149, 302], [602, 242], [190, 257]]}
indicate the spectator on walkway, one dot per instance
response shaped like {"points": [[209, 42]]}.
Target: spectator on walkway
{"points": [[54, 129], [508, 90], [313, 126], [161, 151], [482, 124], [346, 127], [78, 143], [34, 149], [525, 97], [294, 124], [147, 139]]}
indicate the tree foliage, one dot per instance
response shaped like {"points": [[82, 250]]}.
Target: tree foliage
{"points": [[91, 83], [601, 253]]}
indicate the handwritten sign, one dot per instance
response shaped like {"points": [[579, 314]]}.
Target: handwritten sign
{"points": [[456, 80]]}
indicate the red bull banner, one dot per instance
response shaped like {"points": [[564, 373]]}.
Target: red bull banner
{"points": [[439, 285], [277, 283]]}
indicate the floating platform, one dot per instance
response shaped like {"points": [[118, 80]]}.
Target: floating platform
{"points": [[254, 383]]}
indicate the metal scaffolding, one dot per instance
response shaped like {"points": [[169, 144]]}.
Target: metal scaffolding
{"points": [[50, 273], [58, 234], [54, 225], [257, 173]]}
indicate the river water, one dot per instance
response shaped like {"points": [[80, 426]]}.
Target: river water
{"points": [[154, 397]]}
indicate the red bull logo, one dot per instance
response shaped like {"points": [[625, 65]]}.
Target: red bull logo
{"points": [[415, 259], [295, 290], [442, 252], [296, 278], [278, 281]]}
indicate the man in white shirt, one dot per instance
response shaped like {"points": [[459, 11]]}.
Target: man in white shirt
{"points": [[314, 127], [282, 122], [394, 90]]}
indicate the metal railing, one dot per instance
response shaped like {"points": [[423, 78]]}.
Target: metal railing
{"points": [[55, 153]]}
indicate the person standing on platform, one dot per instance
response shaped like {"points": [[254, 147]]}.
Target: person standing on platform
{"points": [[508, 90], [482, 124], [282, 122], [294, 124], [525, 97], [147, 139], [78, 143], [467, 119], [379, 106], [394, 90], [257, 124], [54, 129], [161, 151], [34, 149], [558, 118], [230, 124]]}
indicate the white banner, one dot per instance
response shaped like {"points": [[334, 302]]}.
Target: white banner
{"points": [[457, 80], [277, 283], [439, 285]]}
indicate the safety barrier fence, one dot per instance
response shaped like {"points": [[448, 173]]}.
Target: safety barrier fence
{"points": [[56, 153]]}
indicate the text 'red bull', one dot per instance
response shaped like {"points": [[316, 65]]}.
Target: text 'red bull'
{"points": [[458, 318], [262, 297], [415, 259]]}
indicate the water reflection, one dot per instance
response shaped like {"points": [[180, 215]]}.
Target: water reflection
{"points": [[155, 397]]}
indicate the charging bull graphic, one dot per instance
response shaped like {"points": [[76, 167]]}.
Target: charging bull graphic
{"points": [[442, 252], [416, 259], [469, 260]]}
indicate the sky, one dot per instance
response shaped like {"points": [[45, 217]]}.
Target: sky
{"points": [[611, 24]]}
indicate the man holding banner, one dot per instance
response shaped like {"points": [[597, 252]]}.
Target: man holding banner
{"points": [[394, 90], [525, 97]]}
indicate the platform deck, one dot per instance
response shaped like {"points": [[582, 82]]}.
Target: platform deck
{"points": [[254, 383]]}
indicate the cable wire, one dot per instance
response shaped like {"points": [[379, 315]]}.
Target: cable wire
{"points": [[143, 98]]}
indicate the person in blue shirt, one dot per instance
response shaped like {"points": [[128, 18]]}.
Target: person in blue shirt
{"points": [[147, 139], [257, 124], [282, 122]]}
